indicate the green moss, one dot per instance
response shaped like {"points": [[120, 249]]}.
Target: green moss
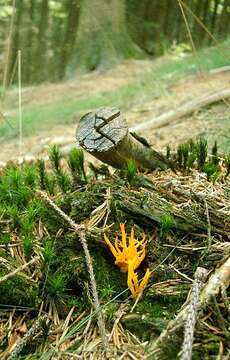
{"points": [[13, 292], [110, 280]]}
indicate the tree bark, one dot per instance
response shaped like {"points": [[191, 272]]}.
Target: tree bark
{"points": [[102, 37], [105, 135], [40, 60], [72, 9]]}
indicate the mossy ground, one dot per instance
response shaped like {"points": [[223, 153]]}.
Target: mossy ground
{"points": [[171, 216]]}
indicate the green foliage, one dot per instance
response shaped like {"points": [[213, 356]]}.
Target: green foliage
{"points": [[55, 287], [55, 158], [212, 171], [61, 177], [13, 187], [202, 152], [166, 224], [29, 176], [28, 246], [41, 172], [183, 155], [63, 181], [215, 157], [131, 171], [48, 252], [76, 164], [14, 214]]}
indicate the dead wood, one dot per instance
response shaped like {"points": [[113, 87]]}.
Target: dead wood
{"points": [[105, 134], [218, 281], [182, 110]]}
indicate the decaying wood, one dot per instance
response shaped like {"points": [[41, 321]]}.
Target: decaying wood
{"points": [[182, 110], [218, 281], [105, 134]]}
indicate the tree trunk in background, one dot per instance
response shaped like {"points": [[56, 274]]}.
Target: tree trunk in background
{"points": [[198, 13], [16, 41], [29, 43], [214, 17], [205, 16], [72, 8], [102, 37], [41, 70], [224, 19]]}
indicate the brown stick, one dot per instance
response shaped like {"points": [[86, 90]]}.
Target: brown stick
{"points": [[219, 280], [182, 110], [81, 230], [104, 134], [20, 268]]}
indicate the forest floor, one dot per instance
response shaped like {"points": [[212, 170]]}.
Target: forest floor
{"points": [[182, 214], [159, 96]]}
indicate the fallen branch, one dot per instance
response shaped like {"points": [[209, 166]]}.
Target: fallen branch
{"points": [[219, 280], [182, 110]]}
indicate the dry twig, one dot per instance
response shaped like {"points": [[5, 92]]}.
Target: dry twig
{"points": [[219, 280], [20, 268], [82, 230]]}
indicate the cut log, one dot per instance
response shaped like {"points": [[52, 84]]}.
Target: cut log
{"points": [[183, 110], [105, 135]]}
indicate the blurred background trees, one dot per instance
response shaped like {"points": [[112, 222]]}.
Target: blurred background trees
{"points": [[58, 38]]}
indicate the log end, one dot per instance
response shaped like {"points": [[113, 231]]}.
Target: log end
{"points": [[101, 130]]}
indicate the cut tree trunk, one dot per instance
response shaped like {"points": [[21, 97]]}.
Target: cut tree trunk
{"points": [[104, 134]]}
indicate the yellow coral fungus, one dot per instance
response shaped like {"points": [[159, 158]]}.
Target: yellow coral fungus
{"points": [[128, 258], [133, 283], [125, 253]]}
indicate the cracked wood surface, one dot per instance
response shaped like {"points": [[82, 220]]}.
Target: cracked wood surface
{"points": [[105, 135]]}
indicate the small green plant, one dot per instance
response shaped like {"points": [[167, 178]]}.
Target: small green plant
{"points": [[166, 224], [50, 184], [14, 215], [62, 178], [63, 181], [76, 164], [215, 157], [131, 171], [56, 286], [48, 252], [185, 155], [29, 176], [202, 152], [28, 246], [211, 170], [55, 158], [42, 173]]}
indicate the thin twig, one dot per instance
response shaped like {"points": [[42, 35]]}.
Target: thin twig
{"points": [[20, 268], [190, 322], [209, 225], [219, 280], [82, 230], [35, 328]]}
